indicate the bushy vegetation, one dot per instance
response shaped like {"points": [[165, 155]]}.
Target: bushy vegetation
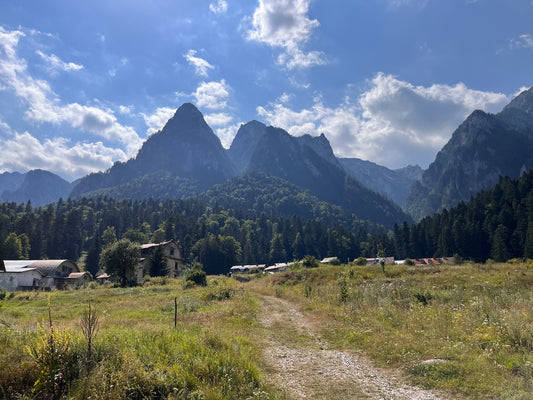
{"points": [[136, 353], [467, 330]]}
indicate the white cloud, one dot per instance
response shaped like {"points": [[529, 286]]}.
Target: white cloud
{"points": [[393, 123], [522, 89], [285, 24], [220, 7], [55, 64], [158, 119], [45, 106], [24, 152], [212, 95], [218, 119], [524, 41], [227, 134], [412, 3], [200, 65], [126, 110]]}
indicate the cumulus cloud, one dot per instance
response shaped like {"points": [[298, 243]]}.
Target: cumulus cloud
{"points": [[285, 24], [24, 152], [218, 119], [55, 64], [220, 7], [157, 120], [200, 65], [45, 106], [212, 95], [393, 123]]}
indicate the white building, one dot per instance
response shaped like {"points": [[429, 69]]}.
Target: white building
{"points": [[35, 274]]}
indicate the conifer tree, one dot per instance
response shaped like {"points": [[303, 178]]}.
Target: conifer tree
{"points": [[158, 265]]}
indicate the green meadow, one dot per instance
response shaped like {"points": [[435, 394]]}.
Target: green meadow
{"points": [[465, 331]]}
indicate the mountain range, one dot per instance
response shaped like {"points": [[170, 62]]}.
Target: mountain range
{"points": [[483, 148], [186, 159], [37, 186]]}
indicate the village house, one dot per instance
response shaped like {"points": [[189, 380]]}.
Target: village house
{"points": [[278, 267], [330, 260], [246, 268], [78, 279], [171, 254], [37, 274]]}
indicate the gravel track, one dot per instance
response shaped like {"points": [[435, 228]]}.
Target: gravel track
{"points": [[306, 368]]}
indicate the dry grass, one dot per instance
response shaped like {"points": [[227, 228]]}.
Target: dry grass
{"points": [[464, 329]]}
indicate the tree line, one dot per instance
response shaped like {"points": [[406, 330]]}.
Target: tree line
{"points": [[216, 237], [496, 224]]}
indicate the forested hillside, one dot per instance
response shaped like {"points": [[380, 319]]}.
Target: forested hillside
{"points": [[275, 197], [215, 236], [496, 224]]}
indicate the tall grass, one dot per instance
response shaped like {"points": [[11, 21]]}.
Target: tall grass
{"points": [[137, 353], [464, 329]]}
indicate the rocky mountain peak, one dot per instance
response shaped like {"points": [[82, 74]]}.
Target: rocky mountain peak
{"points": [[320, 144], [524, 101], [245, 142], [519, 112]]}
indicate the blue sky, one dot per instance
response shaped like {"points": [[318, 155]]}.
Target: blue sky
{"points": [[83, 84]]}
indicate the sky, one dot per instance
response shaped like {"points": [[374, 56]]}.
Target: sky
{"points": [[84, 83]]}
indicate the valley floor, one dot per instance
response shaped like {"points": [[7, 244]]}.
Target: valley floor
{"points": [[301, 362]]}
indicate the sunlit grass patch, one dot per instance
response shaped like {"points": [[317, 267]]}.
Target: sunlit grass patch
{"points": [[137, 351], [466, 329]]}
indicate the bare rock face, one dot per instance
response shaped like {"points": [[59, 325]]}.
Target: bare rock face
{"points": [[483, 148]]}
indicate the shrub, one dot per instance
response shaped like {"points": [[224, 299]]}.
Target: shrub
{"points": [[360, 261], [52, 353], [197, 277], [310, 262]]}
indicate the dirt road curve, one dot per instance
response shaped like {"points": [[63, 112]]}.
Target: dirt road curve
{"points": [[302, 364]]}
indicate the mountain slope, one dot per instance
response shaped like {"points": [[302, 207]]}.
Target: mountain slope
{"points": [[276, 197], [185, 148], [393, 184], [293, 159], [245, 142], [483, 148], [10, 181], [496, 223], [40, 187]]}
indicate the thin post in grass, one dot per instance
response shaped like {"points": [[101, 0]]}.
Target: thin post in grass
{"points": [[175, 312]]}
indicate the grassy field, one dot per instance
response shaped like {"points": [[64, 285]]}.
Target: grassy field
{"points": [[137, 353], [466, 330]]}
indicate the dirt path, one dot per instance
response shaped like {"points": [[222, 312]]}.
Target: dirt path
{"points": [[306, 368]]}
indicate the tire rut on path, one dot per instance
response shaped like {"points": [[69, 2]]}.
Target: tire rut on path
{"points": [[301, 363]]}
